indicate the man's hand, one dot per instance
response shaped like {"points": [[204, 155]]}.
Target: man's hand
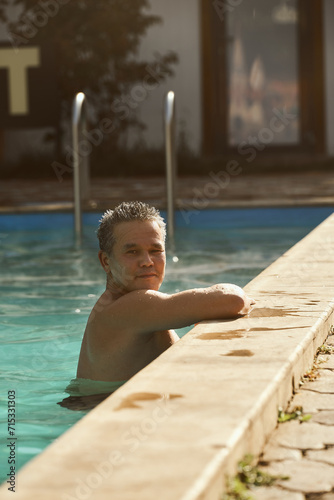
{"points": [[244, 303]]}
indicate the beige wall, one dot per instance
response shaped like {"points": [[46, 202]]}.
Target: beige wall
{"points": [[180, 32], [329, 72]]}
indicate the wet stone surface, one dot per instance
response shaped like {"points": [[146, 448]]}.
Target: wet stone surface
{"points": [[303, 436], [326, 496], [326, 455], [312, 402], [304, 451], [324, 417], [314, 187], [323, 384], [276, 493], [329, 360], [305, 476]]}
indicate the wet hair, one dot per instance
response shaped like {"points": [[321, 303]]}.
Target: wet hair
{"points": [[126, 212]]}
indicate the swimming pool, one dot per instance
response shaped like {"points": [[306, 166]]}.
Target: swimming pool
{"points": [[48, 287]]}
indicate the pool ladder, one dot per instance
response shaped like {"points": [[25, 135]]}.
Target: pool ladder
{"points": [[170, 155], [81, 162]]}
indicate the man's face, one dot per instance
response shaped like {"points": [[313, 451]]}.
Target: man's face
{"points": [[138, 258]]}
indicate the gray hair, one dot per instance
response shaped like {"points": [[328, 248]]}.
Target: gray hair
{"points": [[126, 212]]}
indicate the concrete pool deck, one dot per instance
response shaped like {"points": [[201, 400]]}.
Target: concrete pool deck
{"points": [[177, 428], [311, 188]]}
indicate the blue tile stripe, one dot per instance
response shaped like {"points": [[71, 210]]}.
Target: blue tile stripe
{"points": [[210, 219]]}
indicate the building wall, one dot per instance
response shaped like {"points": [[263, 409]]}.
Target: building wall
{"points": [[329, 73], [180, 32]]}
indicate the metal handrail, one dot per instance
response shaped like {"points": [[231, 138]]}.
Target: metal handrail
{"points": [[170, 152], [80, 162]]}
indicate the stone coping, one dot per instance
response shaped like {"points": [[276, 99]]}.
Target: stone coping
{"points": [[215, 189], [177, 428], [184, 204]]}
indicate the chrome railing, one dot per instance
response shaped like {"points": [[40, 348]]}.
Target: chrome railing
{"points": [[170, 151], [80, 161]]}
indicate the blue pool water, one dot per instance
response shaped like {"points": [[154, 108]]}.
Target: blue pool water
{"points": [[48, 287]]}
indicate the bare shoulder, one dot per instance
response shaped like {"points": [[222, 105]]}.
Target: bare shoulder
{"points": [[137, 298], [125, 315], [133, 306], [140, 297]]}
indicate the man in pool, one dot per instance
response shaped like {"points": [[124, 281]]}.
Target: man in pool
{"points": [[132, 323]]}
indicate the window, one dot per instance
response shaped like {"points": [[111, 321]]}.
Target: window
{"points": [[262, 75]]}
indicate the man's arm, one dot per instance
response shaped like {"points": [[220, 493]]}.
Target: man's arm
{"points": [[147, 311]]}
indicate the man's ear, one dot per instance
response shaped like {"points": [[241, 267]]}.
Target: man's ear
{"points": [[104, 261]]}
